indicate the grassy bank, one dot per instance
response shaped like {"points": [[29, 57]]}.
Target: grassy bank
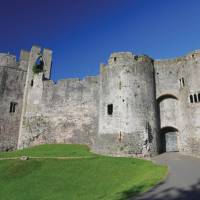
{"points": [[89, 178]]}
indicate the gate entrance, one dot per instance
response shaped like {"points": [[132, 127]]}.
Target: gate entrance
{"points": [[168, 136]]}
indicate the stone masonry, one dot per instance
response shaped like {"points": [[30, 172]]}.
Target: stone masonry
{"points": [[136, 106]]}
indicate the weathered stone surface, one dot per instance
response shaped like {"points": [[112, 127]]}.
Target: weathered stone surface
{"points": [[127, 110], [12, 81]]}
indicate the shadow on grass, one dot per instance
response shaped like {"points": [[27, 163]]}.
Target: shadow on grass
{"points": [[20, 169], [131, 192], [171, 193]]}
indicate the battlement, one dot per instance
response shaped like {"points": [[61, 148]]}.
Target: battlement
{"points": [[127, 57], [7, 60], [190, 56], [70, 81]]}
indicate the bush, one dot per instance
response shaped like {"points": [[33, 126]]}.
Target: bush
{"points": [[38, 67]]}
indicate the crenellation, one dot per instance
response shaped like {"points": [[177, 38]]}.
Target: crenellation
{"points": [[24, 55], [8, 60]]}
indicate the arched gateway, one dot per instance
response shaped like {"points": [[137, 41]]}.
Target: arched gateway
{"points": [[168, 139]]}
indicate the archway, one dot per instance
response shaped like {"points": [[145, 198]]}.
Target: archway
{"points": [[39, 65], [168, 139], [166, 96], [167, 106]]}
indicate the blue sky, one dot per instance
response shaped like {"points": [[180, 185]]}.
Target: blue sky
{"points": [[83, 33]]}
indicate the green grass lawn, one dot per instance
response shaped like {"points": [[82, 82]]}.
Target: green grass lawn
{"points": [[91, 178], [53, 150]]}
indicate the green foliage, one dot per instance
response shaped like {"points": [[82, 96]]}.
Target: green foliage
{"points": [[37, 69], [96, 177]]}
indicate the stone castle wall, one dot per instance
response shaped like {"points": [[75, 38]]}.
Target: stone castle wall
{"points": [[62, 112], [65, 112], [12, 81], [125, 110], [177, 80]]}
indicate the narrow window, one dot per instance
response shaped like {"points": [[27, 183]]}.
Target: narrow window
{"points": [[115, 59], [32, 83], [199, 97], [13, 107], [110, 109], [183, 82], [120, 85], [191, 99], [195, 98]]}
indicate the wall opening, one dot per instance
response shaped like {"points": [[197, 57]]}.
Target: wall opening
{"points": [[115, 59], [38, 67], [13, 107], [110, 109], [199, 97], [166, 96], [195, 98], [32, 83], [182, 82], [191, 99], [168, 139]]}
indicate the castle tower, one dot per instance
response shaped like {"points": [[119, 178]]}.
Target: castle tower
{"points": [[34, 86], [12, 81], [127, 111]]}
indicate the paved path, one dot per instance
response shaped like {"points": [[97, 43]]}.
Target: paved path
{"points": [[183, 181]]}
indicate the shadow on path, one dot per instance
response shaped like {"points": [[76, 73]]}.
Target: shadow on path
{"points": [[173, 193], [182, 183]]}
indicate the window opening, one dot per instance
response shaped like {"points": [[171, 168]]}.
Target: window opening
{"points": [[191, 99], [195, 98], [199, 97], [110, 109], [12, 107], [31, 83], [183, 82]]}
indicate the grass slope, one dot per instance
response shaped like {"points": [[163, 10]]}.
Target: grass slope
{"points": [[51, 150], [96, 177]]}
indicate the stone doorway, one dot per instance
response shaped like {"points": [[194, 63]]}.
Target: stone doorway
{"points": [[168, 140]]}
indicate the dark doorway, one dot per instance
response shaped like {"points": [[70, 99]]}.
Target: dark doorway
{"points": [[168, 139]]}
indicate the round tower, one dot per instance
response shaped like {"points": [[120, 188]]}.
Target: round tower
{"points": [[127, 111]]}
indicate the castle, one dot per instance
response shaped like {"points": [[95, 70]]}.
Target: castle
{"points": [[136, 106]]}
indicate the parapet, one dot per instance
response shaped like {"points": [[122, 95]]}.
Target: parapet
{"points": [[24, 55], [190, 56], [127, 57], [120, 57], [7, 60]]}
